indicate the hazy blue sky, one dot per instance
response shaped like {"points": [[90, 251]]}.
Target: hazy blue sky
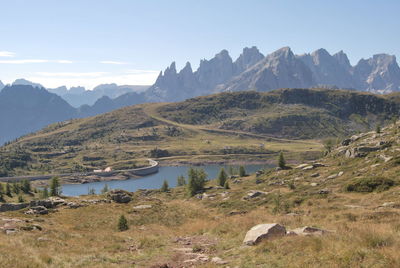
{"points": [[86, 42]]}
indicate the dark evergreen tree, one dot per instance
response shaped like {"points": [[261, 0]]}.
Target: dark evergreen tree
{"points": [[55, 187], [181, 181], [281, 161], [165, 186], [222, 177], [242, 171], [122, 223]]}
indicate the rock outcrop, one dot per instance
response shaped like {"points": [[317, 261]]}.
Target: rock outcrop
{"points": [[264, 231], [120, 196]]}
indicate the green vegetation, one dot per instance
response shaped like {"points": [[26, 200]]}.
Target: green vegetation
{"points": [[55, 186], [196, 181], [122, 224], [181, 181], [370, 184], [281, 161], [165, 186], [242, 171], [222, 177]]}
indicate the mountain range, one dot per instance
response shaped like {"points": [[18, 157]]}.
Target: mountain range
{"points": [[33, 107], [280, 69]]}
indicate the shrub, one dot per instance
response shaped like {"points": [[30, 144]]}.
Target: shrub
{"points": [[226, 185], [369, 184], [122, 224]]}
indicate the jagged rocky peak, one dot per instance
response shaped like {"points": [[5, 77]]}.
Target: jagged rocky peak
{"points": [[321, 55], [215, 71], [1, 85], [248, 58], [342, 59], [380, 73]]}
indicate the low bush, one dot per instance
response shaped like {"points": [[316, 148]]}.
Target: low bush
{"points": [[369, 184]]}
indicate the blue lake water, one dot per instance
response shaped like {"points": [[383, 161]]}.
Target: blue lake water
{"points": [[153, 181]]}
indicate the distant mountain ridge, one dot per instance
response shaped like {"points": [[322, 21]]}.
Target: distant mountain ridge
{"points": [[280, 69]]}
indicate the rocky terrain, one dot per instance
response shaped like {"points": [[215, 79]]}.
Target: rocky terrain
{"points": [[338, 211]]}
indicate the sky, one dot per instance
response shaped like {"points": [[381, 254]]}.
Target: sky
{"points": [[91, 42]]}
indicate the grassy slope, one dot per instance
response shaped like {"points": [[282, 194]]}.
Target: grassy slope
{"points": [[364, 233], [221, 127]]}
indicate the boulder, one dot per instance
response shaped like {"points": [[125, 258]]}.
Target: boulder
{"points": [[120, 196], [51, 202], [39, 210], [218, 260], [263, 232]]}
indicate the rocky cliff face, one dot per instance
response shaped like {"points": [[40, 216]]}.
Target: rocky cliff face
{"points": [[379, 73], [280, 69]]}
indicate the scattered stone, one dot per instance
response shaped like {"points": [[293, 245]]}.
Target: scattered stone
{"points": [[313, 184], [120, 196], [346, 142], [218, 260], [73, 205], [324, 191], [253, 194], [308, 167], [301, 166], [307, 230], [263, 231], [385, 158], [332, 177], [39, 210], [140, 207], [318, 165], [233, 213], [315, 175], [340, 173]]}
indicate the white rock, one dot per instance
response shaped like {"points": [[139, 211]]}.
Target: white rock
{"points": [[263, 231]]}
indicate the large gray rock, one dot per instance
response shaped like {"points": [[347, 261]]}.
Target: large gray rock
{"points": [[120, 196], [263, 231]]}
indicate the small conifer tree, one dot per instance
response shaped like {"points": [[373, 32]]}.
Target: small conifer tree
{"points": [[55, 187], [378, 129], [122, 224], [45, 193], [165, 186], [181, 181], [105, 189], [242, 171], [8, 189], [281, 161], [222, 177]]}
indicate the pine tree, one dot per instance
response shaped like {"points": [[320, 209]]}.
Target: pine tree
{"points": [[197, 180], [181, 181], [8, 189], [122, 224], [165, 186], [222, 177], [20, 199], [26, 186], [242, 171], [45, 193], [378, 129], [281, 161], [55, 187], [16, 188]]}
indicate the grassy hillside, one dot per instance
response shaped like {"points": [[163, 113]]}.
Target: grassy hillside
{"points": [[353, 193], [222, 127]]}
